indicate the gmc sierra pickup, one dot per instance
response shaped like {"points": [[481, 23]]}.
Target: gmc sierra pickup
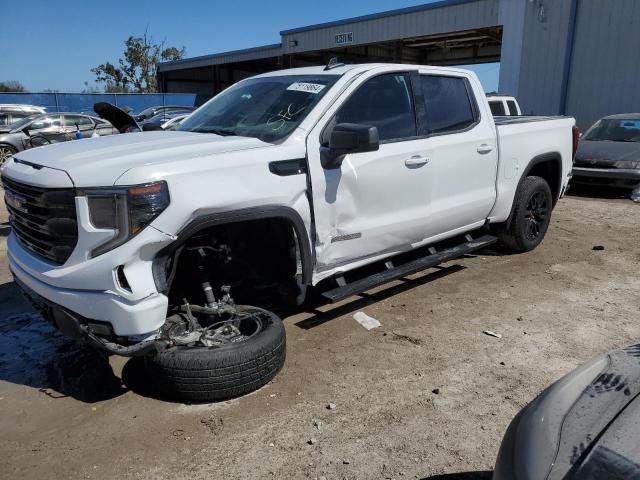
{"points": [[155, 243]]}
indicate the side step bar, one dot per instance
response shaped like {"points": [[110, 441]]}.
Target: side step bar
{"points": [[348, 289]]}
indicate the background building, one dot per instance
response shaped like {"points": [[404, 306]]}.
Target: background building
{"points": [[576, 57]]}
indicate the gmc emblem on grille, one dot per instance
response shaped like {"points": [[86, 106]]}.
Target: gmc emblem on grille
{"points": [[15, 201]]}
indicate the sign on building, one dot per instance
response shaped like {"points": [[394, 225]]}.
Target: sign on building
{"points": [[346, 37]]}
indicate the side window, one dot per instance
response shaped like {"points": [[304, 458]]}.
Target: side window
{"points": [[513, 110], [386, 102], [448, 106], [40, 124], [72, 120], [16, 116], [46, 122], [497, 108], [4, 119]]}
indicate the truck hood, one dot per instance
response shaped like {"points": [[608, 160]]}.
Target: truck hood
{"points": [[100, 161]]}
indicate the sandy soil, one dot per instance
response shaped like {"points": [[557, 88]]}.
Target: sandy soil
{"points": [[64, 413]]}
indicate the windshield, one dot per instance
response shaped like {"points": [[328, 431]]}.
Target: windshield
{"points": [[268, 108], [20, 124], [615, 130]]}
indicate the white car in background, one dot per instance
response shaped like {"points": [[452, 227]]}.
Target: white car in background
{"points": [[503, 106]]}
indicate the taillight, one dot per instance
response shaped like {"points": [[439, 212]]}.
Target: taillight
{"points": [[576, 140]]}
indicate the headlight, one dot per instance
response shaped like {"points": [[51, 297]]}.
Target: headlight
{"points": [[628, 164], [125, 210]]}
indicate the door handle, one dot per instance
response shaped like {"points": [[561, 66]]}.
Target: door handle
{"points": [[416, 161], [484, 149]]}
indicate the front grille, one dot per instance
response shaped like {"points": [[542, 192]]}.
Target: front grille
{"points": [[43, 219]]}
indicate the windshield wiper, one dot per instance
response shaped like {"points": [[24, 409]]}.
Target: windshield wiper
{"points": [[216, 131]]}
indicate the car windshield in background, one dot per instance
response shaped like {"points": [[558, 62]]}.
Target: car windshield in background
{"points": [[614, 130], [268, 108]]}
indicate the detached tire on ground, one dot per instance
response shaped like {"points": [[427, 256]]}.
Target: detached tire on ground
{"points": [[530, 217], [204, 374]]}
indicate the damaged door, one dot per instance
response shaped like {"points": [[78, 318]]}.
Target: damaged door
{"points": [[376, 202]]}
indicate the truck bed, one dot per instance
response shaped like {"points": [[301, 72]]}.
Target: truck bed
{"points": [[521, 141]]}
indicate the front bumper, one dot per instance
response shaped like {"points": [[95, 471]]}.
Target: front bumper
{"points": [[607, 177], [97, 334], [126, 316]]}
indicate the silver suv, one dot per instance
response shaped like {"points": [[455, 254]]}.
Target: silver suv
{"points": [[11, 113]]}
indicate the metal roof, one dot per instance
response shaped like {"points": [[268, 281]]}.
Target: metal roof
{"points": [[474, 18], [374, 16], [233, 53]]}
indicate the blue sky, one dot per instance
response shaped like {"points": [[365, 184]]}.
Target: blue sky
{"points": [[54, 43]]}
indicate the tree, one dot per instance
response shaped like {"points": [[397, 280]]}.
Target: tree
{"points": [[12, 86], [136, 71]]}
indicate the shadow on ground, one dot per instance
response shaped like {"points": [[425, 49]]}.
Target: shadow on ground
{"points": [[485, 475], [595, 192], [365, 299], [33, 353]]}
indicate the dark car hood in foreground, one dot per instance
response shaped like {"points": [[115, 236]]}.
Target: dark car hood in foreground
{"points": [[584, 426], [605, 153]]}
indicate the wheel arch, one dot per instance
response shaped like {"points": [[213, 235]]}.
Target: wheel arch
{"points": [[548, 166], [202, 222]]}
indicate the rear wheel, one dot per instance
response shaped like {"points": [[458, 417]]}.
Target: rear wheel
{"points": [[530, 217], [248, 351]]}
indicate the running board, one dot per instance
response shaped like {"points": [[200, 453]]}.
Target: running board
{"points": [[431, 260]]}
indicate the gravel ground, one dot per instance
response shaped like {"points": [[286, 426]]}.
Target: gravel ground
{"points": [[426, 395]]}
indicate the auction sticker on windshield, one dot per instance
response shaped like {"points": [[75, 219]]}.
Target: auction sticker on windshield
{"points": [[306, 87]]}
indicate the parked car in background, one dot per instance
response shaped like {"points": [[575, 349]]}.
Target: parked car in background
{"points": [[158, 121], [609, 154], [43, 129], [11, 113], [147, 113], [583, 427], [503, 106]]}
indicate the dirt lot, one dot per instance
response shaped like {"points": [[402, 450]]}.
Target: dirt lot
{"points": [[66, 414]]}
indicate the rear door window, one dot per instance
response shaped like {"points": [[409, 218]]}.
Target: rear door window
{"points": [[513, 109], [449, 107], [497, 108], [73, 120], [385, 102]]}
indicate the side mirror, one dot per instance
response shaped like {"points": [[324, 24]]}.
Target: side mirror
{"points": [[348, 138]]}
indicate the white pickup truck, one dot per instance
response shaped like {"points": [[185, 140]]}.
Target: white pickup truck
{"points": [[135, 243]]}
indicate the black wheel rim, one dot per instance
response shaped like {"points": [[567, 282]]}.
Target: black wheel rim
{"points": [[535, 215]]}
